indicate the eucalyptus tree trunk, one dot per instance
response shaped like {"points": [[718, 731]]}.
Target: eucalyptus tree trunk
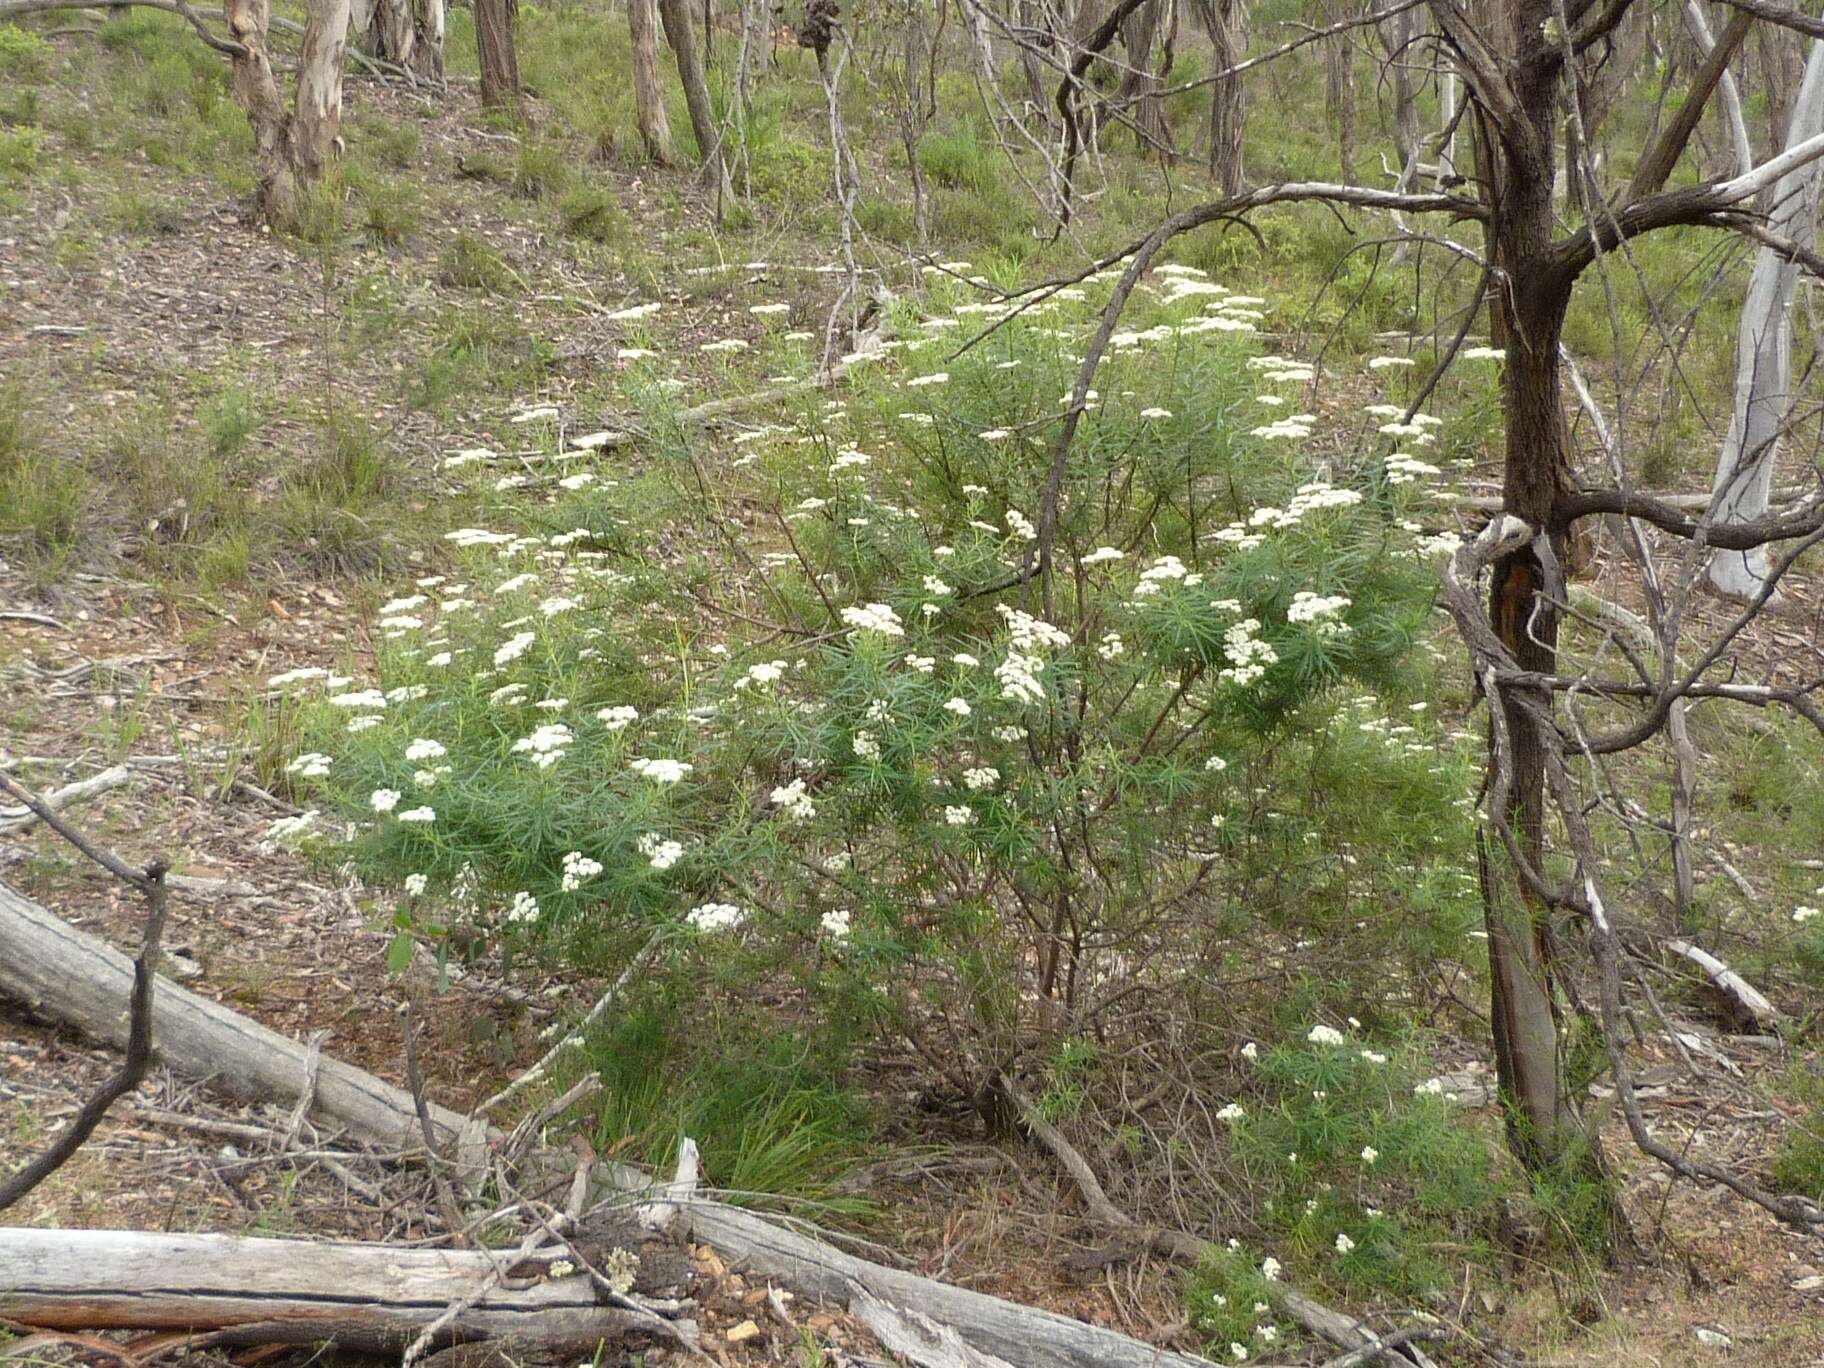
{"points": [[1449, 92], [1339, 93], [316, 130], [1396, 36], [1763, 352], [648, 95], [289, 147], [498, 55], [393, 33], [428, 22], [1515, 170], [679, 33]]}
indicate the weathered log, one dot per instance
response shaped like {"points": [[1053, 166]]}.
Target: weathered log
{"points": [[1743, 1005], [71, 977], [237, 1289], [74, 978], [1022, 1336]]}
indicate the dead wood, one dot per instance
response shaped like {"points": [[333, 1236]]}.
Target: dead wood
{"points": [[71, 977], [75, 979], [239, 1290], [1743, 1005], [151, 883]]}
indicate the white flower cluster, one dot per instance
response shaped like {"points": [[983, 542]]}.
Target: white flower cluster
{"points": [[578, 870], [618, 717], [660, 771], [513, 648], [1319, 612], [874, 617], [546, 745], [766, 672], [310, 765], [524, 909], [713, 917], [1158, 574], [981, 777], [1248, 655], [660, 853], [794, 801], [1404, 469]]}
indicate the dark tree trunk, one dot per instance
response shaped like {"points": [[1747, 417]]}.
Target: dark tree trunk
{"points": [[1225, 21], [1517, 167], [675, 15], [1138, 92]]}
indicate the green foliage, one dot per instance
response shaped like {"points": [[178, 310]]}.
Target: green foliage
{"points": [[393, 143], [24, 56], [1365, 1174], [21, 154], [956, 158], [1798, 1167], [589, 210], [44, 493], [468, 263], [765, 1107], [541, 171]]}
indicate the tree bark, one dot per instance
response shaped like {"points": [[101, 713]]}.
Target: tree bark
{"points": [[1516, 169], [367, 1298], [675, 15], [1763, 353], [648, 94], [316, 132], [394, 35], [1339, 93], [275, 192], [1138, 91], [428, 21], [1225, 21], [497, 53]]}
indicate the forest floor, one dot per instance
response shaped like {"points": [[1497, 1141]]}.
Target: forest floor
{"points": [[117, 656]]}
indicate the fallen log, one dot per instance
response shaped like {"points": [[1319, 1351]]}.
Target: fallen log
{"points": [[234, 1289], [71, 977], [1743, 1005]]}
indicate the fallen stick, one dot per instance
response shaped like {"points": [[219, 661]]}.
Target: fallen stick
{"points": [[369, 1297], [1747, 1006], [14, 819]]}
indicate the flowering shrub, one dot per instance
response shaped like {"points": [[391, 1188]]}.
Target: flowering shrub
{"points": [[1362, 1166], [855, 745]]}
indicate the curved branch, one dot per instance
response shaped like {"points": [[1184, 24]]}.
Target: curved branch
{"points": [[1745, 536]]}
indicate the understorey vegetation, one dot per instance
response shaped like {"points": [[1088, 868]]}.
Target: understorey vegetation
{"points": [[1203, 615]]}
